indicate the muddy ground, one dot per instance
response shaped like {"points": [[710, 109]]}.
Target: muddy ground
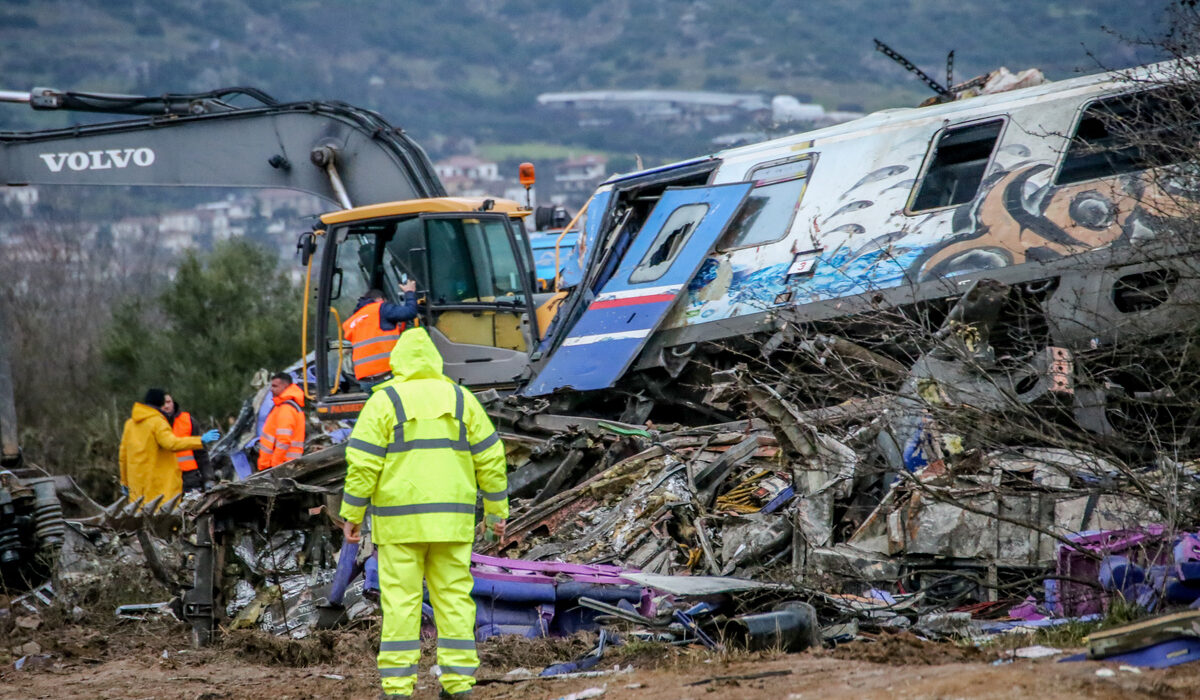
{"points": [[145, 660]]}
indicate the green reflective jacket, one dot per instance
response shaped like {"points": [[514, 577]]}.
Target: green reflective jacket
{"points": [[420, 450]]}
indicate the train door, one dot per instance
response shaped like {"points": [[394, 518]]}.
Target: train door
{"points": [[658, 264]]}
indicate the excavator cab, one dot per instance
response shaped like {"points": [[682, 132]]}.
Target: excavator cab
{"points": [[474, 273]]}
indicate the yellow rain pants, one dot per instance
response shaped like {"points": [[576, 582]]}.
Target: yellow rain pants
{"points": [[446, 567]]}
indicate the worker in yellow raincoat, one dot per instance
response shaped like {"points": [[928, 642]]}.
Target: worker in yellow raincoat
{"points": [[148, 447], [421, 449]]}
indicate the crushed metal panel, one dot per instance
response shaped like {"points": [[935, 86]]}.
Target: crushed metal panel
{"points": [[699, 585], [850, 562], [1104, 512], [618, 322]]}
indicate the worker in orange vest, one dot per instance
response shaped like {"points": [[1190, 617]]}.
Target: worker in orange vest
{"points": [[193, 464], [373, 330], [282, 438]]}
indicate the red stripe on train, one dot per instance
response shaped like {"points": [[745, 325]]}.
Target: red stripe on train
{"points": [[630, 301]]}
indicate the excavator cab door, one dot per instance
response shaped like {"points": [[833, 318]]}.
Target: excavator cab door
{"points": [[474, 292], [477, 303]]}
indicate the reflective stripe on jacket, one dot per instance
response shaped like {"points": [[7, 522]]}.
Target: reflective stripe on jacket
{"points": [[370, 344], [182, 427], [282, 438], [420, 451]]}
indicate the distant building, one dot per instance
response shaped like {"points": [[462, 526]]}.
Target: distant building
{"points": [[579, 176], [674, 108], [21, 198], [468, 176], [468, 167], [281, 202], [786, 109]]}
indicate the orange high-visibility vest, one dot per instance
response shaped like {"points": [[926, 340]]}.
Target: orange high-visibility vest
{"points": [[182, 427], [282, 438], [371, 345]]}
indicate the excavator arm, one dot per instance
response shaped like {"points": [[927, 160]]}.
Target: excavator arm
{"points": [[345, 154]]}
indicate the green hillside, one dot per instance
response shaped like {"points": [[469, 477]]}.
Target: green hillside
{"points": [[473, 69]]}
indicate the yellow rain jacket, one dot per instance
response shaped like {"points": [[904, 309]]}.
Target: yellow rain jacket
{"points": [[420, 450], [147, 455]]}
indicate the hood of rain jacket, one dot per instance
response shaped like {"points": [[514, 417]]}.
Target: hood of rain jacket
{"points": [[292, 392], [415, 357]]}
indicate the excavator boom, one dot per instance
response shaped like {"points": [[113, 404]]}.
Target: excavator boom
{"points": [[345, 154]]}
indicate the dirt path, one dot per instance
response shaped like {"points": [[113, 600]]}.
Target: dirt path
{"points": [[130, 665]]}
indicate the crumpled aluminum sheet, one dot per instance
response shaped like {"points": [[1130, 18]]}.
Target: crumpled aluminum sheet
{"points": [[243, 594], [753, 537], [298, 613], [280, 556]]}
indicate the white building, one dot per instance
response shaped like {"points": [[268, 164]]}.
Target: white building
{"points": [[23, 198], [468, 167]]}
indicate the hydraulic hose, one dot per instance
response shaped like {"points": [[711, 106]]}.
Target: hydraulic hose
{"points": [[337, 377]]}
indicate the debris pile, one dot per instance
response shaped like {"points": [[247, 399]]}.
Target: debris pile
{"points": [[875, 512], [879, 518], [927, 506]]}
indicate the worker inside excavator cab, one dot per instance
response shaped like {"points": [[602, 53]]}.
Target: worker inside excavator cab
{"points": [[360, 279]]}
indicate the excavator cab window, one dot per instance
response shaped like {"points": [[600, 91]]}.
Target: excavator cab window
{"points": [[479, 284]]}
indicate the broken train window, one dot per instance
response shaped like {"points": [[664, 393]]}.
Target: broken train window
{"points": [[670, 240], [767, 213], [1129, 133], [959, 159]]}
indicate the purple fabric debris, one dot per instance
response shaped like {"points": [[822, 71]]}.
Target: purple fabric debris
{"points": [[371, 577], [878, 594], [1141, 565], [241, 465], [535, 598], [996, 626], [513, 591], [1118, 574], [345, 573], [340, 435], [1187, 548], [1067, 595], [1027, 611]]}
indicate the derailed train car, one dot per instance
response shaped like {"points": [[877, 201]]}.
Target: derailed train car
{"points": [[1069, 194]]}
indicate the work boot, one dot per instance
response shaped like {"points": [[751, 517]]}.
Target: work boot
{"points": [[461, 695]]}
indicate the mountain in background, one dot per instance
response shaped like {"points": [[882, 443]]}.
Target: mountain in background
{"points": [[460, 74]]}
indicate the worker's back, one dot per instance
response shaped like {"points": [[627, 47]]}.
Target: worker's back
{"points": [[424, 432]]}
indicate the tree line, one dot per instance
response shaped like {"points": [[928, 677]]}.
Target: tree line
{"points": [[91, 325]]}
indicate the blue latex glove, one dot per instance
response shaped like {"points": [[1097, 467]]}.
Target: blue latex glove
{"points": [[210, 437]]}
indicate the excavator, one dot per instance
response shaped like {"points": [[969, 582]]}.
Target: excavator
{"points": [[390, 221], [470, 256]]}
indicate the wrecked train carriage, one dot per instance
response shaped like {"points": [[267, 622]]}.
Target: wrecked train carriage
{"points": [[869, 231]]}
